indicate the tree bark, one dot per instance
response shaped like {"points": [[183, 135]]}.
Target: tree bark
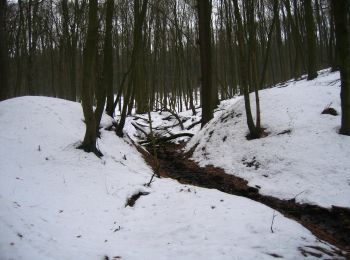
{"points": [[341, 18], [253, 131], [139, 20], [107, 75], [66, 51], [204, 20], [311, 40], [89, 56], [296, 40], [109, 60], [3, 52]]}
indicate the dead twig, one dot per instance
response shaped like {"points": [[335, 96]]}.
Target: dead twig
{"points": [[135, 117], [137, 127], [194, 124], [172, 113], [160, 128], [273, 219], [167, 138]]}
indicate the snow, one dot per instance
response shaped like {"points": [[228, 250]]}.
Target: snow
{"points": [[57, 202], [310, 164], [172, 124]]}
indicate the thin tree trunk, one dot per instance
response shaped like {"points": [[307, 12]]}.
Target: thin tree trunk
{"points": [[204, 16], [253, 131], [311, 40], [341, 11], [3, 52], [107, 75], [109, 71], [89, 143]]}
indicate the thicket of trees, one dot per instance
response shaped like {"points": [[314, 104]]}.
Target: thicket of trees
{"points": [[149, 54]]}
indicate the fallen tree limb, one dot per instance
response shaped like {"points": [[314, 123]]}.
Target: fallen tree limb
{"points": [[165, 127], [141, 149], [140, 117], [218, 110], [140, 129], [176, 116], [167, 138], [173, 113], [141, 125], [194, 124]]}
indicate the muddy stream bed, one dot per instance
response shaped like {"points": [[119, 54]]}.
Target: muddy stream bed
{"points": [[331, 225]]}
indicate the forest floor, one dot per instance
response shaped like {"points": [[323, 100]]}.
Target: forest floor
{"points": [[299, 152], [331, 225], [58, 202], [302, 156]]}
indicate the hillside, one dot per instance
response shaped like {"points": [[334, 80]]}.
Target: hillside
{"points": [[57, 202], [302, 157]]}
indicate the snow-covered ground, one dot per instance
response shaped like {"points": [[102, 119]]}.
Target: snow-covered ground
{"points": [[166, 124], [309, 162], [57, 202]]}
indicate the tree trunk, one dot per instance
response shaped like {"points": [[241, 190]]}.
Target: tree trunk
{"points": [[253, 57], [297, 41], [3, 52], [139, 20], [107, 75], [89, 56], [342, 32], [253, 131], [311, 40], [140, 93], [29, 89], [66, 51], [204, 20]]}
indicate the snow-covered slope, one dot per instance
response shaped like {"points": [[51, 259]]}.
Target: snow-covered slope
{"points": [[302, 157], [57, 202]]}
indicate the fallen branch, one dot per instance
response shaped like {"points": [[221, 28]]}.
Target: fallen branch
{"points": [[194, 124], [141, 125], [168, 118], [140, 117], [165, 127], [173, 113], [218, 110], [140, 148], [176, 116], [167, 138], [139, 128]]}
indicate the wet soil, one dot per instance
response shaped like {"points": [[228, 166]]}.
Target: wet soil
{"points": [[331, 225]]}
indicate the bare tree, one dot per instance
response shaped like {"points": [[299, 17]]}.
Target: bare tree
{"points": [[107, 76], [341, 11], [204, 21], [139, 18], [311, 40], [254, 132], [88, 86], [3, 51]]}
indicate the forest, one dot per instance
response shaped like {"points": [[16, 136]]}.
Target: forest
{"points": [[245, 102]]}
